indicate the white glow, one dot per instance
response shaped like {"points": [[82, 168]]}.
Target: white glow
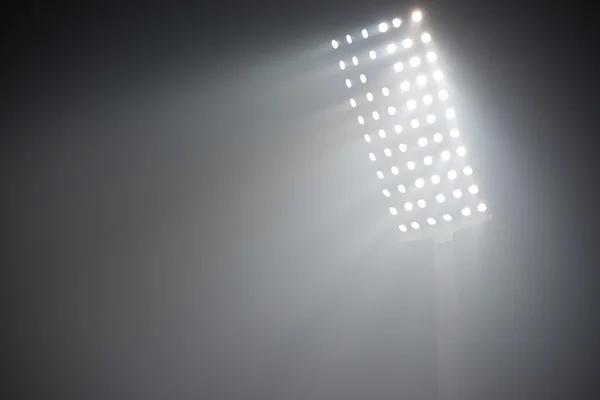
{"points": [[435, 179], [428, 160], [407, 43], [369, 97], [411, 104], [481, 207], [450, 113], [372, 54], [410, 165], [404, 86], [342, 65], [398, 67], [422, 142], [452, 174], [383, 27], [396, 22], [408, 206], [391, 110], [438, 75], [468, 171], [352, 102], [415, 225], [454, 133], [445, 155], [391, 48], [403, 228], [375, 115], [381, 133], [447, 217], [461, 151], [430, 119], [386, 193], [414, 123], [363, 78], [426, 37], [361, 120], [419, 183], [427, 99], [372, 156], [421, 203], [415, 61], [443, 95], [431, 221], [466, 211], [440, 198], [355, 60], [365, 33], [421, 80], [367, 138], [334, 44], [385, 91], [402, 147], [395, 170], [473, 189], [393, 211], [348, 39], [348, 83], [431, 56], [417, 16], [387, 152], [457, 193], [397, 128], [401, 189], [380, 174], [438, 137]]}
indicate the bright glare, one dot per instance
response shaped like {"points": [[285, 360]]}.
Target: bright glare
{"points": [[403, 228], [402, 147], [387, 152], [361, 120], [454, 133], [375, 115], [397, 128], [372, 156], [411, 104], [393, 211], [401, 189], [391, 110], [404, 86], [447, 217], [414, 123], [440, 198], [355, 60], [342, 65], [450, 113], [334, 44], [457, 193], [461, 151], [352, 102], [363, 78], [365, 33], [410, 165], [415, 225], [430, 118], [348, 38], [438, 75], [422, 142], [395, 170], [396, 22], [431, 221], [452, 174], [428, 160], [435, 179], [398, 67], [473, 189], [407, 43], [466, 211], [369, 96], [438, 137], [443, 95], [372, 54], [481, 207], [419, 183], [468, 171], [386, 193], [415, 61], [445, 155], [380, 174], [431, 56], [382, 133], [427, 99], [391, 48], [421, 80], [385, 91], [421, 203], [408, 206], [426, 37], [383, 27], [367, 138], [348, 83]]}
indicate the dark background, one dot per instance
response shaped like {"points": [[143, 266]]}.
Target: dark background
{"points": [[184, 217]]}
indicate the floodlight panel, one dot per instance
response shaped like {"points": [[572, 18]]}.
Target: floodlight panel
{"points": [[393, 77]]}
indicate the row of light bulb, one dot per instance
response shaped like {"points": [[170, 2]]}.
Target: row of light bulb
{"points": [[420, 80], [410, 104], [411, 165], [422, 142], [457, 193], [440, 198], [435, 178], [481, 207], [383, 27], [414, 123]]}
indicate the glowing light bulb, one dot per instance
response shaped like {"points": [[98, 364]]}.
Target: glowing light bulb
{"points": [[403, 228], [431, 56], [363, 78], [440, 198], [481, 207], [447, 217], [404, 86], [428, 160], [435, 179], [468, 171], [361, 120], [401, 188], [443, 95], [421, 80], [426, 37], [431, 221], [427, 99], [385, 91], [414, 123], [417, 16], [407, 43], [445, 155], [415, 225], [372, 156], [348, 83], [391, 48], [387, 152], [365, 33], [438, 75], [473, 189], [430, 119], [466, 211], [342, 65], [415, 61], [457, 193], [461, 151], [419, 183], [396, 22], [372, 55], [383, 27], [421, 203], [454, 133], [397, 128], [410, 165], [369, 97], [381, 133], [422, 142], [367, 138], [408, 206], [380, 174], [393, 211], [334, 44], [450, 113], [348, 39], [452, 174], [438, 137], [398, 67], [391, 110], [395, 170], [411, 104], [386, 193], [375, 115], [402, 147]]}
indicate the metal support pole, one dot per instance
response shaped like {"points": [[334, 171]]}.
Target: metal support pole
{"points": [[447, 320]]}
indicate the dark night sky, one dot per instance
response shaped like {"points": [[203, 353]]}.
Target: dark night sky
{"points": [[183, 220]]}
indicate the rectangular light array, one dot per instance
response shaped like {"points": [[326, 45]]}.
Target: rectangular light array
{"points": [[398, 95]]}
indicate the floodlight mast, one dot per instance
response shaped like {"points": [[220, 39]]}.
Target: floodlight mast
{"points": [[436, 194]]}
